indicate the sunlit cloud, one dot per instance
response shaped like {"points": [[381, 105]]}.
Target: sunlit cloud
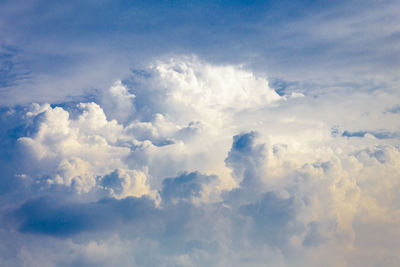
{"points": [[179, 155]]}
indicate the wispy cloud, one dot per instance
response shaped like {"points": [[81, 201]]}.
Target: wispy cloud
{"points": [[12, 69]]}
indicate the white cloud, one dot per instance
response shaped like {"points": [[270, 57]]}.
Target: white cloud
{"points": [[117, 103], [249, 172]]}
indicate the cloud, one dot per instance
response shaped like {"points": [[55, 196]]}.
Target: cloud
{"points": [[117, 103], [247, 160], [72, 152], [395, 109], [190, 163], [334, 40], [379, 135], [187, 187], [46, 216], [136, 155], [272, 219], [12, 69]]}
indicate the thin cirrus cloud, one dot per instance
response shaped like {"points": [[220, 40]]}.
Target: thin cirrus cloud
{"points": [[254, 178], [83, 45]]}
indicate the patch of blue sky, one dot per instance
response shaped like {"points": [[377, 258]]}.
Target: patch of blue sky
{"points": [[286, 39]]}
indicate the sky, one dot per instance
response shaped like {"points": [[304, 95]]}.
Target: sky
{"points": [[199, 133]]}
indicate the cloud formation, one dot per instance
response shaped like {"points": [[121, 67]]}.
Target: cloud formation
{"points": [[187, 163]]}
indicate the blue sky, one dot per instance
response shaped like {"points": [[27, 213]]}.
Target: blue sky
{"points": [[199, 133], [292, 40]]}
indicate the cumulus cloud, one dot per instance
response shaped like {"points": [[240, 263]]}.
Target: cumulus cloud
{"points": [[247, 160], [118, 103], [188, 187], [191, 164]]}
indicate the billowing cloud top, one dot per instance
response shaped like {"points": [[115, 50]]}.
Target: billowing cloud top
{"points": [[188, 163]]}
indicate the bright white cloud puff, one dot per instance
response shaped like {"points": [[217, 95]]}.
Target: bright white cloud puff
{"points": [[193, 164]]}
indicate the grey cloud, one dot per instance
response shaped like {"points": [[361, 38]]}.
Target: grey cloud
{"points": [[246, 159], [273, 219], [376, 134], [49, 217], [394, 110], [313, 236], [185, 187], [113, 181]]}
